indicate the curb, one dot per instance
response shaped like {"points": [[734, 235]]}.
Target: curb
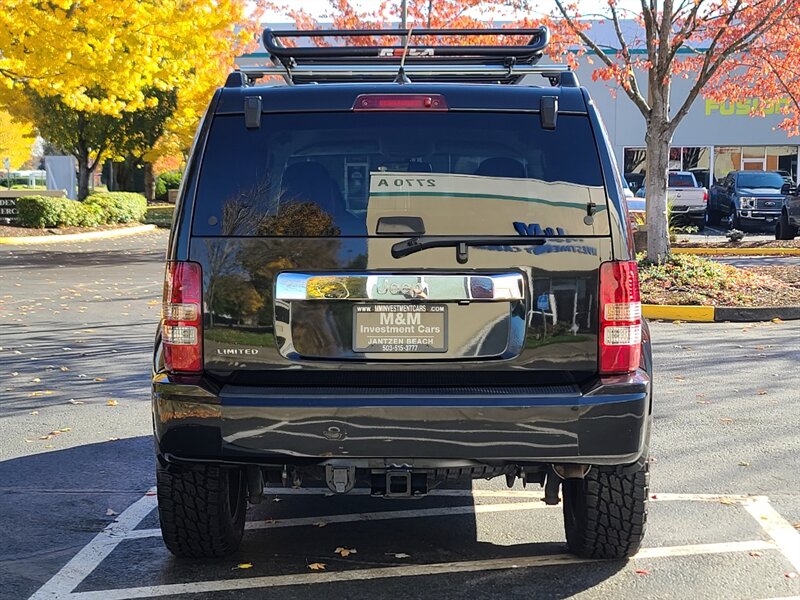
{"points": [[739, 251], [718, 314], [76, 237]]}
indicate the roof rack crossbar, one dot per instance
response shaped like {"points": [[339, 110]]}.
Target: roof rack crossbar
{"points": [[556, 74], [372, 70]]}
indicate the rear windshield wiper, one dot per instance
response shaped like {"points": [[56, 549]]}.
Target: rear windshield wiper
{"points": [[416, 244]]}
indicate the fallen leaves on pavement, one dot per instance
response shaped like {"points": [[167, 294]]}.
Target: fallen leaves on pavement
{"points": [[317, 566], [112, 402], [247, 565], [344, 552]]}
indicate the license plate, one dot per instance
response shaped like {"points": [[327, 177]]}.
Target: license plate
{"points": [[408, 328]]}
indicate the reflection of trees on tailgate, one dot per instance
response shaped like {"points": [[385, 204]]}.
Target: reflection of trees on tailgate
{"points": [[243, 271], [236, 297], [240, 270]]}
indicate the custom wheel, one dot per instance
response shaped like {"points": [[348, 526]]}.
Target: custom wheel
{"points": [[201, 509], [605, 513]]}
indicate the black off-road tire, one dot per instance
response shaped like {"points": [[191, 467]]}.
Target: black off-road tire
{"points": [[784, 231], [606, 512], [713, 217], [202, 509]]}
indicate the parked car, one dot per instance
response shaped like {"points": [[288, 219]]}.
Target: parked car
{"points": [[788, 225], [748, 199], [703, 177], [397, 284], [787, 177], [686, 198]]}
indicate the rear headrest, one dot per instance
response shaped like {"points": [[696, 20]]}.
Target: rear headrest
{"points": [[417, 166], [501, 166], [301, 175], [311, 182]]}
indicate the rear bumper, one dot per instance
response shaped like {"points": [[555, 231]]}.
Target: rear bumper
{"points": [[688, 211], [606, 423]]}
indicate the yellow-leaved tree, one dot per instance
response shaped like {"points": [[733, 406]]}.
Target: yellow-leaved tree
{"points": [[114, 58], [16, 140]]}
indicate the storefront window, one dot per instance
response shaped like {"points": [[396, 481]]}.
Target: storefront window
{"points": [[755, 158], [726, 159], [783, 159], [697, 160], [635, 160], [753, 152], [675, 159]]}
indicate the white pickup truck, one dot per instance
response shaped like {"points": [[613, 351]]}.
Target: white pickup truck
{"points": [[687, 199]]}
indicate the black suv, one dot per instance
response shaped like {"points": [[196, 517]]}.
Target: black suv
{"points": [[399, 270]]}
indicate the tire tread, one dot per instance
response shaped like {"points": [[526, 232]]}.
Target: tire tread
{"points": [[194, 512], [614, 515]]}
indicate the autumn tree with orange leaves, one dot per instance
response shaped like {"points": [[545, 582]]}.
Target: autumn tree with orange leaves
{"points": [[731, 46], [724, 46]]}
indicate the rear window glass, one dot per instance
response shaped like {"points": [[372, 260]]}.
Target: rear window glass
{"points": [[681, 180], [456, 173]]}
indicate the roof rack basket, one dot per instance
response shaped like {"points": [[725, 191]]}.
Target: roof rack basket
{"points": [[436, 58]]}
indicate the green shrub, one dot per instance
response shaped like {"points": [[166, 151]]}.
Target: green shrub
{"points": [[43, 211], [119, 207], [170, 180], [92, 216], [98, 209]]}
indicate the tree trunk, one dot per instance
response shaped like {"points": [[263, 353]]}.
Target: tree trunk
{"points": [[658, 143], [149, 182], [84, 173]]}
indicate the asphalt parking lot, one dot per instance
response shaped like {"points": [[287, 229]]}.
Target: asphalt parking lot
{"points": [[76, 471]]}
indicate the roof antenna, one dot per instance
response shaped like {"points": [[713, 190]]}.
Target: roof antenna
{"points": [[402, 78]]}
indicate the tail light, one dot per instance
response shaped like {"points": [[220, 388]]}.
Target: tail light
{"points": [[181, 319], [620, 318], [705, 195]]}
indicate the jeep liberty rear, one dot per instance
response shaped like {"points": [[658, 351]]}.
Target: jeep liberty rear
{"points": [[392, 284]]}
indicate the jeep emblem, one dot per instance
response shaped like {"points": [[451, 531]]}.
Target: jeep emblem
{"points": [[408, 290]]}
